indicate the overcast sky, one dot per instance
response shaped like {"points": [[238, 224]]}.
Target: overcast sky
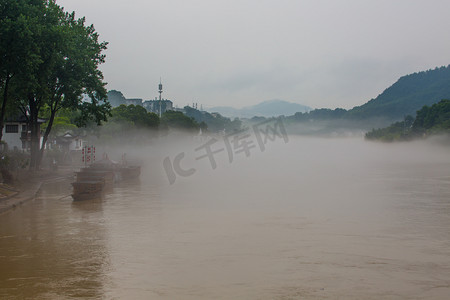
{"points": [[320, 53]]}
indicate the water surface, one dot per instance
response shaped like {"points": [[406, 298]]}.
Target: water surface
{"points": [[310, 219]]}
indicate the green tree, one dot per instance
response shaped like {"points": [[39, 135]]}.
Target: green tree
{"points": [[215, 122], [136, 115], [129, 124], [63, 122], [434, 119], [429, 120], [18, 19], [177, 120], [66, 75]]}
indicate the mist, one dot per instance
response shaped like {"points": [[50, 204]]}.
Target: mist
{"points": [[311, 217], [294, 207], [265, 216]]}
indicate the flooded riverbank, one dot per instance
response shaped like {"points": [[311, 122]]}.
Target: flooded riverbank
{"points": [[310, 219]]}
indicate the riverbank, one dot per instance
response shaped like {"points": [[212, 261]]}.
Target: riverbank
{"points": [[27, 185]]}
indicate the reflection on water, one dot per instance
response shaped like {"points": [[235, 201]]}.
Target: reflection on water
{"points": [[51, 248], [310, 219]]}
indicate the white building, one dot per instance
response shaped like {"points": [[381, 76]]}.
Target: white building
{"points": [[17, 134], [70, 142], [153, 105]]}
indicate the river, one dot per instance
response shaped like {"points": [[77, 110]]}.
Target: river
{"points": [[307, 219]]}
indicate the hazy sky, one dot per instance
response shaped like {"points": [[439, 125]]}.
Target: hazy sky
{"points": [[321, 53]]}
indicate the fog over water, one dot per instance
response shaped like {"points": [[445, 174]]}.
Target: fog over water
{"points": [[312, 218]]}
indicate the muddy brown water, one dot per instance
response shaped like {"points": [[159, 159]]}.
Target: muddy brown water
{"points": [[310, 219]]}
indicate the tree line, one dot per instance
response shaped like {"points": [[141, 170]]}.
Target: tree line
{"points": [[429, 120]]}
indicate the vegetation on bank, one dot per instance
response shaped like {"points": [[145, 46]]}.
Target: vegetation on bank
{"points": [[127, 118], [49, 61], [428, 121]]}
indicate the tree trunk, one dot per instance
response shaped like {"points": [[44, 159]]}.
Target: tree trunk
{"points": [[45, 137], [34, 161], [3, 110]]}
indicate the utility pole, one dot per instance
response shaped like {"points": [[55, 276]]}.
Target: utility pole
{"points": [[160, 100]]}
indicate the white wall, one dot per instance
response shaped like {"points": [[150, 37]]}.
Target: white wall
{"points": [[13, 139]]}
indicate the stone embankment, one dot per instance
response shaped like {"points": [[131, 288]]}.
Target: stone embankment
{"points": [[27, 186]]}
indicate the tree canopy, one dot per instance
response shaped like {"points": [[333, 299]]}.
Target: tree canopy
{"points": [[178, 120], [18, 57], [136, 115], [434, 119], [429, 120], [57, 69], [214, 122]]}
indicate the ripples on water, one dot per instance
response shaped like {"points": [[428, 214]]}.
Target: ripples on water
{"points": [[311, 219]]}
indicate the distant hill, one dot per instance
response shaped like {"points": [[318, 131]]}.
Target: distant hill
{"points": [[409, 94], [270, 108]]}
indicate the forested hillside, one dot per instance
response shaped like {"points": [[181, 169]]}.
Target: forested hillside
{"points": [[428, 121], [409, 94]]}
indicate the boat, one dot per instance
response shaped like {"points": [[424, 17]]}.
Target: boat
{"points": [[93, 181], [87, 189], [129, 172], [90, 174], [122, 171]]}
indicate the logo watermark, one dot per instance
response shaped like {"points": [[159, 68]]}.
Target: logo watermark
{"points": [[237, 143]]}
